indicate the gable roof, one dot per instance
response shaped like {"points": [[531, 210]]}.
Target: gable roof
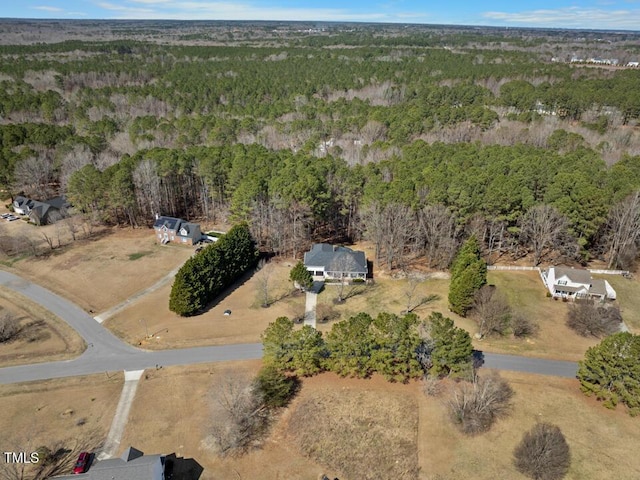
{"points": [[133, 465], [171, 223], [576, 275], [190, 228], [335, 259]]}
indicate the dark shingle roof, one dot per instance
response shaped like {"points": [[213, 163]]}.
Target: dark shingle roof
{"points": [[192, 229], [133, 465], [335, 259], [170, 222]]}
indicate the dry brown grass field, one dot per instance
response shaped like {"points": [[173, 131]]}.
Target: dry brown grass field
{"points": [[58, 412], [43, 337], [245, 324], [101, 272], [172, 409]]}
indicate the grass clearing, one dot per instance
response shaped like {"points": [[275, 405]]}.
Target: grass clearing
{"points": [[58, 412], [43, 337], [245, 324], [171, 412], [138, 255], [98, 273]]}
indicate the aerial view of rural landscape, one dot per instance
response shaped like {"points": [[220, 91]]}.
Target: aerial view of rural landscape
{"points": [[287, 240]]}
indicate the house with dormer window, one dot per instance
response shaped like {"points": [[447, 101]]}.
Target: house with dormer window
{"points": [[176, 230], [576, 283]]}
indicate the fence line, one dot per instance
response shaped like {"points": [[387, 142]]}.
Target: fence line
{"points": [[511, 267], [520, 268]]}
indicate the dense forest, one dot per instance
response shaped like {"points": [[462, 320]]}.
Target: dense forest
{"points": [[412, 138]]}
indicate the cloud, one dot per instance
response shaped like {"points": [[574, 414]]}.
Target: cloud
{"points": [[47, 8], [221, 10], [570, 17]]}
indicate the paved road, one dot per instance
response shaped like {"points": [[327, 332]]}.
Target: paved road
{"points": [[107, 353]]}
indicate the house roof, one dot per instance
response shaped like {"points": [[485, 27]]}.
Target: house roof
{"points": [[336, 259], [20, 201], [57, 202], [191, 228], [171, 223], [133, 465], [567, 288], [598, 287], [40, 209], [576, 275]]}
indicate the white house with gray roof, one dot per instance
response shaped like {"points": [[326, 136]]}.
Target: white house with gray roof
{"points": [[132, 465], [325, 261], [572, 283]]}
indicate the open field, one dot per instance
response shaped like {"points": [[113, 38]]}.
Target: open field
{"points": [[245, 324], [43, 337], [57, 413], [171, 412], [101, 272]]}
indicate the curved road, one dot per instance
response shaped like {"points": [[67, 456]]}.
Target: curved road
{"points": [[107, 353]]}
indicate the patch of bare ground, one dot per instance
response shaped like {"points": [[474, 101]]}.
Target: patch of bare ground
{"points": [[245, 324], [62, 413], [100, 272], [360, 432], [42, 337], [172, 413]]}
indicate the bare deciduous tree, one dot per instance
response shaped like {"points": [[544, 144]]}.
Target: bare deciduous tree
{"points": [[263, 280], [437, 234], [589, 319], [543, 453], [623, 229], [475, 406], [34, 175], [491, 311], [9, 327], [542, 229], [239, 415]]}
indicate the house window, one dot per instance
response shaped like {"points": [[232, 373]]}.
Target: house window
{"points": [[318, 273], [562, 282]]}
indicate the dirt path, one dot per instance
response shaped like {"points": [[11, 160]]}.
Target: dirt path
{"points": [[134, 298], [112, 443]]}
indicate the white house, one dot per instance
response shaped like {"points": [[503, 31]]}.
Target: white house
{"points": [[572, 283], [326, 261]]}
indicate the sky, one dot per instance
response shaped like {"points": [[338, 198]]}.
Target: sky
{"points": [[587, 14]]}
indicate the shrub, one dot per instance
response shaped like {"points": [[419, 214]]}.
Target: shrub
{"points": [[588, 319], [9, 327], [474, 407], [522, 326], [543, 453]]}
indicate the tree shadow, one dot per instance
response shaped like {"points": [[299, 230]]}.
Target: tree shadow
{"points": [[477, 358], [424, 302], [228, 291]]}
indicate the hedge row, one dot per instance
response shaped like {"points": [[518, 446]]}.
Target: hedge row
{"points": [[205, 275]]}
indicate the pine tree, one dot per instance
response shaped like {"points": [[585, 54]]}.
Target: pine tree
{"points": [[301, 277], [468, 275], [611, 371], [452, 350], [277, 388]]}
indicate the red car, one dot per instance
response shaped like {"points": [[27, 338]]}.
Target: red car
{"points": [[82, 464]]}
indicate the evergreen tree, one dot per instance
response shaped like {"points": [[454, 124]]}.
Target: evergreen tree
{"points": [[468, 275], [350, 345], [277, 388], [301, 277], [277, 341], [611, 371], [451, 349]]}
